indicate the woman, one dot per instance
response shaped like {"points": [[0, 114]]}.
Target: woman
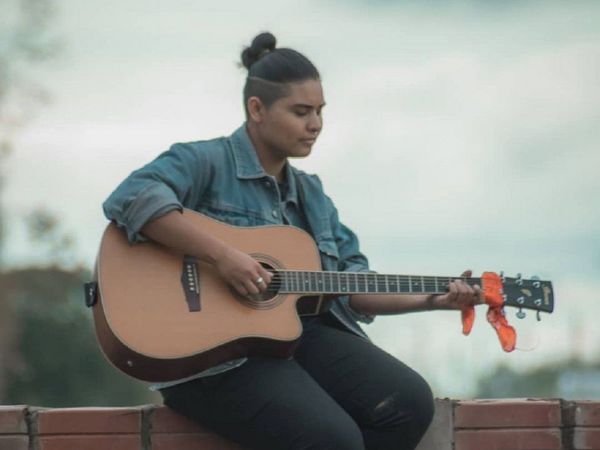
{"points": [[339, 391]]}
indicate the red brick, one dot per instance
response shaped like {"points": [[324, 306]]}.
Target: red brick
{"points": [[14, 442], [586, 439], [165, 420], [89, 420], [191, 441], [90, 442], [508, 439], [582, 413], [514, 413], [12, 419]]}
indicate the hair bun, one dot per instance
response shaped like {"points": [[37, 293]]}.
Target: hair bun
{"points": [[261, 44]]}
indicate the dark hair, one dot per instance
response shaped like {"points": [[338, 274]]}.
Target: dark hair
{"points": [[270, 68]]}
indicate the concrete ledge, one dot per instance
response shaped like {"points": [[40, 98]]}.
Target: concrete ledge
{"points": [[507, 424]]}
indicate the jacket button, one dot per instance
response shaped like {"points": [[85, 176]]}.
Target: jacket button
{"points": [[274, 213]]}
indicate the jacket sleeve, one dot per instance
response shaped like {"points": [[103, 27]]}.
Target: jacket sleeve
{"points": [[175, 179], [351, 259]]}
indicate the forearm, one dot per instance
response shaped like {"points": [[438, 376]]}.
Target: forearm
{"points": [[392, 303], [173, 231]]}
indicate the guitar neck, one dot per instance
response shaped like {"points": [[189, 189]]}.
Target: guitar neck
{"points": [[339, 283]]}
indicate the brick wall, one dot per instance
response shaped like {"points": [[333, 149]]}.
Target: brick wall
{"points": [[508, 424]]}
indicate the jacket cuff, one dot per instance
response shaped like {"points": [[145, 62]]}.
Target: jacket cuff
{"points": [[154, 201]]}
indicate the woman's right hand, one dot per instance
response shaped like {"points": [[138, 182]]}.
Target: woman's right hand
{"points": [[242, 272]]}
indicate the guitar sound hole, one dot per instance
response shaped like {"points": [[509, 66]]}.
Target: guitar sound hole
{"points": [[272, 288], [269, 298]]}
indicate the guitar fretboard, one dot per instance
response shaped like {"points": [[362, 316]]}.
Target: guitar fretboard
{"points": [[361, 282]]}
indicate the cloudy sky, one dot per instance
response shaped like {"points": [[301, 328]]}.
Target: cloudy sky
{"points": [[456, 136]]}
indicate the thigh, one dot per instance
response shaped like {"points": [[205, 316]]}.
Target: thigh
{"points": [[267, 404], [376, 389]]}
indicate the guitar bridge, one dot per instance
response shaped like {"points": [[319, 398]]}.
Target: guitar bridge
{"points": [[190, 283]]}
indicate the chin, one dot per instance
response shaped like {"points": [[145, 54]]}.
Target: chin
{"points": [[301, 153]]}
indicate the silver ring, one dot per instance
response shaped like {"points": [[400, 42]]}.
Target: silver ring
{"points": [[259, 280]]}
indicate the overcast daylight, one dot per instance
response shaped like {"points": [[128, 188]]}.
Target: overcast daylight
{"points": [[457, 135]]}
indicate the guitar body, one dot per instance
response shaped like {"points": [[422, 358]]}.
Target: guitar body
{"points": [[159, 318]]}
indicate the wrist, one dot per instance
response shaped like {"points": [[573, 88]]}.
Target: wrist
{"points": [[430, 302]]}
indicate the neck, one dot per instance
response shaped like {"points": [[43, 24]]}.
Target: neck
{"points": [[270, 161], [340, 283]]}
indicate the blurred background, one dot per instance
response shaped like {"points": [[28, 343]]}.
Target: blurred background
{"points": [[457, 135]]}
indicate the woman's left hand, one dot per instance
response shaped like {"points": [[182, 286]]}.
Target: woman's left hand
{"points": [[459, 295]]}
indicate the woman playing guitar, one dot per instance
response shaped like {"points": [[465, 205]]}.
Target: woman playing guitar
{"points": [[338, 391]]}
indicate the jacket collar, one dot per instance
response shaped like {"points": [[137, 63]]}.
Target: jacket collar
{"points": [[248, 166]]}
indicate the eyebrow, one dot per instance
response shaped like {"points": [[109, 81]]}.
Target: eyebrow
{"points": [[302, 105]]}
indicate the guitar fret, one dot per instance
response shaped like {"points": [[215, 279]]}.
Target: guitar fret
{"points": [[381, 283], [393, 286], [363, 282]]}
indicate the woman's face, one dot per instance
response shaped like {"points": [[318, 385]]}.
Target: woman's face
{"points": [[290, 126]]}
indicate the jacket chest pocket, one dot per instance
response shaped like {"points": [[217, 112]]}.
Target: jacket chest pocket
{"points": [[233, 214]]}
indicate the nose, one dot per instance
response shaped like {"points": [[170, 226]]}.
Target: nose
{"points": [[315, 123]]}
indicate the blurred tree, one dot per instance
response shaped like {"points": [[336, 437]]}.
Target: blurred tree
{"points": [[549, 381], [26, 40], [48, 351], [55, 244], [56, 360]]}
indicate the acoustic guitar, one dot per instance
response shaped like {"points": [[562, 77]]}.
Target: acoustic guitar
{"points": [[161, 315]]}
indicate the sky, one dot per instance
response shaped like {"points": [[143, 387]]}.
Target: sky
{"points": [[456, 135]]}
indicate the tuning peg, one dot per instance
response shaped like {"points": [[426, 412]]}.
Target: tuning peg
{"points": [[537, 316], [520, 314], [519, 280], [536, 281], [502, 275]]}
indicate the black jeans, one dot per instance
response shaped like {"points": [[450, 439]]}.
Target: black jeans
{"points": [[339, 392]]}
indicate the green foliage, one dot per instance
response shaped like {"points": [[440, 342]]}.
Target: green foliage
{"points": [[60, 363], [571, 379]]}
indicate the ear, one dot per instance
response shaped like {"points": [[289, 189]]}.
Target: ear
{"points": [[256, 109]]}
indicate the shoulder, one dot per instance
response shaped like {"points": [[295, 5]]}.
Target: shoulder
{"points": [[307, 179], [200, 148]]}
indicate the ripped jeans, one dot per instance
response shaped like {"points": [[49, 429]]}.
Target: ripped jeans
{"points": [[340, 392]]}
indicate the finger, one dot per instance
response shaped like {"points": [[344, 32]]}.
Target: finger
{"points": [[265, 275], [452, 292], [465, 293], [239, 287], [479, 293], [251, 286]]}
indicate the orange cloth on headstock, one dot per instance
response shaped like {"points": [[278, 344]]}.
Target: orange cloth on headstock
{"points": [[492, 288]]}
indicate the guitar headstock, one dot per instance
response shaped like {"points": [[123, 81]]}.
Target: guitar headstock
{"points": [[528, 294]]}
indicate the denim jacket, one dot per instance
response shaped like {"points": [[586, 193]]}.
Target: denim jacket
{"points": [[223, 179]]}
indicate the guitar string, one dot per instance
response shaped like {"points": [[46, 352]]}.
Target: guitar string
{"points": [[428, 284]]}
